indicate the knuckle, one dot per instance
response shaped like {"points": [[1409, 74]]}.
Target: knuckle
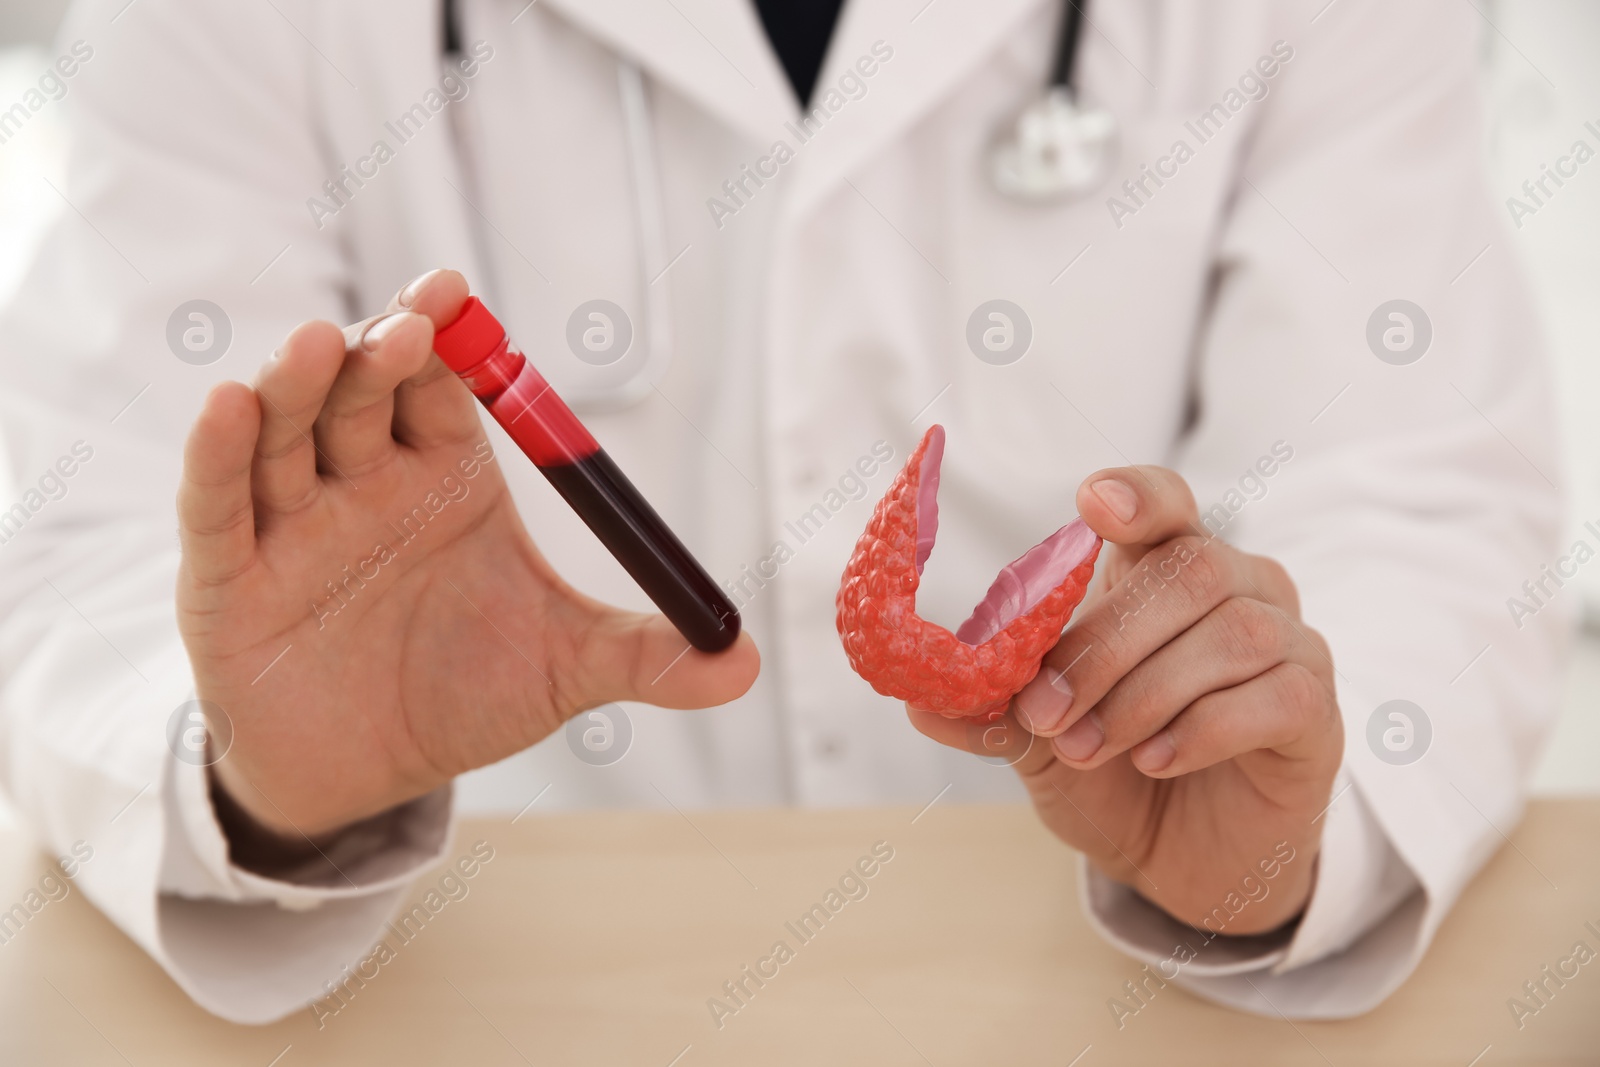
{"points": [[227, 524], [288, 445], [1298, 689], [1279, 586], [361, 390], [218, 581], [1129, 711], [432, 371], [346, 401], [1091, 656], [1208, 707], [1109, 636], [1127, 596], [1202, 567], [286, 500], [1277, 577], [1319, 644], [193, 489], [1251, 630], [360, 465], [1060, 653]]}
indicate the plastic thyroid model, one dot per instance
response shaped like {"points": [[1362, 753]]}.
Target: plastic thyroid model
{"points": [[975, 671]]}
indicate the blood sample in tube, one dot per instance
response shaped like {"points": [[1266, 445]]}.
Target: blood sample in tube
{"points": [[476, 347]]}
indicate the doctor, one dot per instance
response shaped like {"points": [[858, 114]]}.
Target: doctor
{"points": [[1163, 297]]}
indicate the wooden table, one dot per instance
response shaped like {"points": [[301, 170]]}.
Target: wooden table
{"points": [[598, 939]]}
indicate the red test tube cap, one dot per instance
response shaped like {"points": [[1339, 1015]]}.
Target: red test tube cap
{"points": [[471, 339]]}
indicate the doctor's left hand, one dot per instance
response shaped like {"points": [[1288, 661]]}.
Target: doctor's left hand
{"points": [[1185, 724]]}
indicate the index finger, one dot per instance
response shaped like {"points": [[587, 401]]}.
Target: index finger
{"points": [[1167, 591]]}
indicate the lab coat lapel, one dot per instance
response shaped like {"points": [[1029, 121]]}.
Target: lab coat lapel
{"points": [[390, 55], [713, 51], [936, 45], [716, 53]]}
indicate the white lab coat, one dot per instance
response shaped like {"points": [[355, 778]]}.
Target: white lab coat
{"points": [[1225, 315]]}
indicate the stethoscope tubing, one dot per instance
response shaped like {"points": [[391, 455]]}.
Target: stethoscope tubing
{"points": [[1066, 57], [656, 330]]}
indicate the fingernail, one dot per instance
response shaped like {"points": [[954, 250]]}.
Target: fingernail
{"points": [[1156, 754], [414, 286], [382, 328], [1082, 740], [1044, 701], [1123, 502]]}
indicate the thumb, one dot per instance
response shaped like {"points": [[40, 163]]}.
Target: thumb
{"points": [[1136, 509], [637, 657]]}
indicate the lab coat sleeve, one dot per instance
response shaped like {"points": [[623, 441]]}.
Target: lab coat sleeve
{"points": [[1415, 499], [194, 149]]}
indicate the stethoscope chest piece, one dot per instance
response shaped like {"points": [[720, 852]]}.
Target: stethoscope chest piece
{"points": [[1056, 151]]}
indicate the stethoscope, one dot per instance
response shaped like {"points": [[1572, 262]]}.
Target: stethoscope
{"points": [[1055, 151]]}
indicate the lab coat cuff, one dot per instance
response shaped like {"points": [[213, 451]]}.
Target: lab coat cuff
{"points": [[376, 856], [1360, 880], [1137, 927]]}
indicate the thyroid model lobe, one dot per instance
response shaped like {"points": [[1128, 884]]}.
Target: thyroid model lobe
{"points": [[975, 671]]}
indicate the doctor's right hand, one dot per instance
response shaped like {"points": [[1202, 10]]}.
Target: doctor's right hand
{"points": [[358, 593]]}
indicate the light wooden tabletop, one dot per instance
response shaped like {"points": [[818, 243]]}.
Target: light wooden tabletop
{"points": [[599, 939]]}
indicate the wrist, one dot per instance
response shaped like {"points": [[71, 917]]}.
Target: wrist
{"points": [[352, 854], [257, 839], [272, 795], [1267, 898]]}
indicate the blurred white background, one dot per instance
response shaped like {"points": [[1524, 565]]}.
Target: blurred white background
{"points": [[1542, 86]]}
